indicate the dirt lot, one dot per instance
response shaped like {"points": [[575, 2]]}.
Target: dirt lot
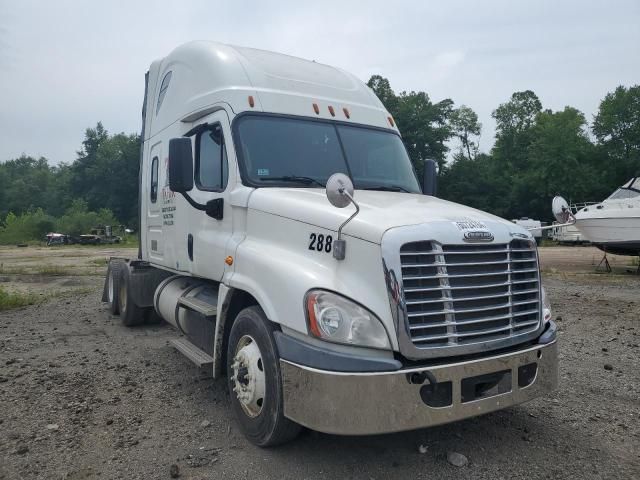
{"points": [[83, 397]]}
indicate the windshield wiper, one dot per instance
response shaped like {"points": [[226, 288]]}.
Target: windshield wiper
{"points": [[388, 188], [294, 178]]}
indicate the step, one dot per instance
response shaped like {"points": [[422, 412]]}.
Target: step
{"points": [[192, 303], [193, 353]]}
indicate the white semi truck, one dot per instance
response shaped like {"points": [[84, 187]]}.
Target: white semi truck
{"points": [[284, 233]]}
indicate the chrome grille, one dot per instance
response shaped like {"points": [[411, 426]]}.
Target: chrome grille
{"points": [[465, 294]]}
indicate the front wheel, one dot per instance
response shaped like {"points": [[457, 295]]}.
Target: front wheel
{"points": [[255, 384]]}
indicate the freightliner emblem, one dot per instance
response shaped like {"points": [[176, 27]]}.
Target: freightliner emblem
{"points": [[478, 236]]}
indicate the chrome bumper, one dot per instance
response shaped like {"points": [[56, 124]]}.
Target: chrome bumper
{"points": [[382, 402]]}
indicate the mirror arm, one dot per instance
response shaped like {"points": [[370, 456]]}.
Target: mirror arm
{"points": [[340, 245], [344, 192], [213, 208], [193, 203]]}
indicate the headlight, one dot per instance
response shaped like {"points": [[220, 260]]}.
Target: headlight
{"points": [[546, 307], [335, 318]]}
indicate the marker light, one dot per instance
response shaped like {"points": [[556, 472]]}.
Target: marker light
{"points": [[332, 111], [346, 113], [316, 108], [391, 122], [251, 102]]}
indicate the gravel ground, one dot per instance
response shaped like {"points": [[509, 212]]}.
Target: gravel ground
{"points": [[83, 397]]}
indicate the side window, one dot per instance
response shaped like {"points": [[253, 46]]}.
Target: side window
{"points": [[212, 169], [164, 86], [154, 180]]}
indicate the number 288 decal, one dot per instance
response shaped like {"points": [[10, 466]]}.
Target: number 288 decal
{"points": [[320, 242]]}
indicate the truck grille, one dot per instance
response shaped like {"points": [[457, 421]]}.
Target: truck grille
{"points": [[464, 294]]}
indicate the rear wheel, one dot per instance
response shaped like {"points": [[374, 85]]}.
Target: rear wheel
{"points": [[113, 285], [130, 313], [255, 383]]}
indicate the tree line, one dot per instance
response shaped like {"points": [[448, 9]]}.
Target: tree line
{"points": [[537, 154]]}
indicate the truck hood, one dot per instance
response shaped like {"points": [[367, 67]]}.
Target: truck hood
{"points": [[379, 211]]}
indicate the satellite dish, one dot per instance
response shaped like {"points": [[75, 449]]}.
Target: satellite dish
{"points": [[339, 190], [561, 210]]}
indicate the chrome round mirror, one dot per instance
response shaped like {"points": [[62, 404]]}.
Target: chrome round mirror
{"points": [[560, 209], [339, 190]]}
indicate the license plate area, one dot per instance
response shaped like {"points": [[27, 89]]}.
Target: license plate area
{"points": [[485, 386]]}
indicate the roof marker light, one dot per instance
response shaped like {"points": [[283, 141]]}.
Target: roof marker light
{"points": [[251, 102], [332, 111], [316, 108], [346, 112], [391, 122]]}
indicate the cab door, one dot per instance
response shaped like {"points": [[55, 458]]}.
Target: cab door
{"points": [[214, 174]]}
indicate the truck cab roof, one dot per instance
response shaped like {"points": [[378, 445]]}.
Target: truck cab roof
{"points": [[200, 77]]}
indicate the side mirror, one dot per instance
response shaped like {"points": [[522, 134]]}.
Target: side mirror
{"points": [[430, 179], [180, 165], [339, 190], [340, 194]]}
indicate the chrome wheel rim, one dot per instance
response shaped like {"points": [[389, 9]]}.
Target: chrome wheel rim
{"points": [[247, 376]]}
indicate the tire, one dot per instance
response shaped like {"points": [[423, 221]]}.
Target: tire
{"points": [[152, 317], [113, 285], [130, 313], [261, 419]]}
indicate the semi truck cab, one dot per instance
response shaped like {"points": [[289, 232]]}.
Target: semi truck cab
{"points": [[286, 237]]}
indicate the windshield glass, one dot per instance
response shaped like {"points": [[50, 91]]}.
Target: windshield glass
{"points": [[279, 151], [624, 194]]}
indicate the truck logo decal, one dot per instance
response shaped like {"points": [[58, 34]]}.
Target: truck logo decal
{"points": [[478, 236]]}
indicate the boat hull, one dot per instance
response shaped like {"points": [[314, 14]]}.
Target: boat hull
{"points": [[618, 235]]}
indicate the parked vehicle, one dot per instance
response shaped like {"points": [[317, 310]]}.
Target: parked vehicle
{"points": [[612, 225], [102, 234], [284, 234], [59, 239], [567, 235]]}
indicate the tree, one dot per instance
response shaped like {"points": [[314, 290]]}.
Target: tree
{"points": [[465, 126], [616, 127], [560, 161], [514, 121], [424, 125]]}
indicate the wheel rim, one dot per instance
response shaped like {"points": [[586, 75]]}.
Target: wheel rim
{"points": [[248, 378], [110, 287], [122, 297]]}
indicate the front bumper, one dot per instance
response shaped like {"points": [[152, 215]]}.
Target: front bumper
{"points": [[351, 403]]}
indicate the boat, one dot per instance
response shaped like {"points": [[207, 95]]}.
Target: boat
{"points": [[613, 225]]}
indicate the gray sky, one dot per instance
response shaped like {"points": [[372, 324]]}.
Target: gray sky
{"points": [[64, 65]]}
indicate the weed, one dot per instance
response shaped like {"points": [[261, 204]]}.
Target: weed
{"points": [[10, 300]]}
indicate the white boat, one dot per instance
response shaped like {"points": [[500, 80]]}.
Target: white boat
{"points": [[614, 224]]}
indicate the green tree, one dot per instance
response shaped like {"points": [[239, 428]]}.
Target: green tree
{"points": [[466, 127], [616, 127], [424, 125], [560, 161]]}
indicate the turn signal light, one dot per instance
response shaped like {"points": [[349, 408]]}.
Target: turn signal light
{"points": [[229, 260]]}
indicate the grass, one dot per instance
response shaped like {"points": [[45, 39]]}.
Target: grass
{"points": [[56, 270], [10, 300]]}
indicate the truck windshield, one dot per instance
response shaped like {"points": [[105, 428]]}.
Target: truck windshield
{"points": [[279, 151]]}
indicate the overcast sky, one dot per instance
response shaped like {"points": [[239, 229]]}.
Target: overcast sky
{"points": [[64, 65]]}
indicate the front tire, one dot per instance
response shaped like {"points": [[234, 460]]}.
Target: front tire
{"points": [[255, 382]]}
